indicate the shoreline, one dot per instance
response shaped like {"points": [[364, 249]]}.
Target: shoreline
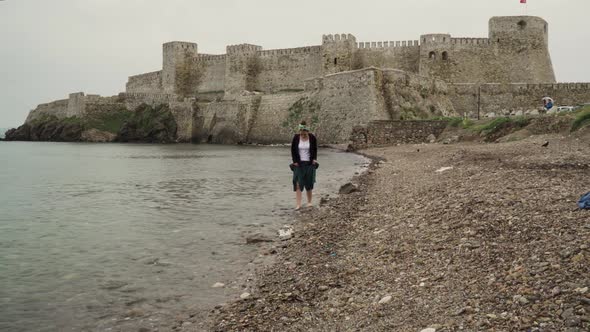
{"points": [[268, 253], [332, 274]]}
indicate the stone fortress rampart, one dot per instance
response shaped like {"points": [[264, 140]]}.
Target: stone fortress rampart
{"points": [[250, 94], [516, 50]]}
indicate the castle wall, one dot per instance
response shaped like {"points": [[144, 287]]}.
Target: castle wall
{"points": [[222, 122], [462, 60], [287, 69], [269, 121], [173, 55], [58, 108], [481, 60], [332, 105], [241, 69], [338, 53], [95, 105], [78, 104], [145, 83], [516, 51], [385, 133], [502, 98], [213, 67], [345, 100], [183, 115], [403, 55], [409, 96], [133, 100]]}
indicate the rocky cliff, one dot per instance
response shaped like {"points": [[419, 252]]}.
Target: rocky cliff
{"points": [[146, 124]]}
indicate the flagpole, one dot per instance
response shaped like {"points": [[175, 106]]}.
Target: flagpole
{"points": [[526, 7]]}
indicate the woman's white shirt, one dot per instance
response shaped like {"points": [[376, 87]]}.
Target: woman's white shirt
{"points": [[304, 146]]}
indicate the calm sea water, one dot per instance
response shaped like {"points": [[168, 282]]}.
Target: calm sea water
{"points": [[3, 131], [114, 237]]}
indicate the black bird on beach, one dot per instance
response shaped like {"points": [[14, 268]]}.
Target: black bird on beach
{"points": [[546, 144]]}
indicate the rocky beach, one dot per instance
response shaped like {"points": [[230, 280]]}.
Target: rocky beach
{"points": [[434, 237]]}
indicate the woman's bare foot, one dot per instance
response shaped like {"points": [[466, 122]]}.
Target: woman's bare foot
{"points": [[298, 208], [309, 205]]}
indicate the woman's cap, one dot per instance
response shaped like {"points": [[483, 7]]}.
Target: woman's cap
{"points": [[303, 127]]}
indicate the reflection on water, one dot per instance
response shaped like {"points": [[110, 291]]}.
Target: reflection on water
{"points": [[94, 236]]}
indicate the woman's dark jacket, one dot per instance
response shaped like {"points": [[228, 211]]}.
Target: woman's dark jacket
{"points": [[313, 148]]}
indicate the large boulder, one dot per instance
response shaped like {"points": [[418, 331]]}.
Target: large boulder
{"points": [[98, 136]]}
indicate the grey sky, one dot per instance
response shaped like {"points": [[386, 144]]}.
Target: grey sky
{"points": [[51, 48]]}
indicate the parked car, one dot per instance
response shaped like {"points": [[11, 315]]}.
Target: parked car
{"points": [[566, 109]]}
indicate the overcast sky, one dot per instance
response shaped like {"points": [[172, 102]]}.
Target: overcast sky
{"points": [[49, 48]]}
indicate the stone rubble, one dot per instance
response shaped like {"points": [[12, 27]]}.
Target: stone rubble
{"points": [[495, 245]]}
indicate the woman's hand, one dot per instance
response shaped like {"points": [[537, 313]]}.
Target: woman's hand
{"points": [[296, 164], [315, 162]]}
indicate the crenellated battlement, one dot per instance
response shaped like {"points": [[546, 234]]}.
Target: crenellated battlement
{"points": [[210, 57], [338, 38], [389, 44], [242, 48], [441, 39], [150, 75], [287, 51], [435, 38], [180, 45], [470, 41]]}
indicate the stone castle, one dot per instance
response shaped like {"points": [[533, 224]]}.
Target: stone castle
{"points": [[516, 51], [254, 95]]}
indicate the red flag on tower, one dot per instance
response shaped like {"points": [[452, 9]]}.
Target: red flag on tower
{"points": [[522, 1]]}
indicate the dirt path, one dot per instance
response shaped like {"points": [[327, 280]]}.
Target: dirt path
{"points": [[492, 244]]}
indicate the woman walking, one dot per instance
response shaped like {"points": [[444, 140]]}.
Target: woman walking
{"points": [[304, 152]]}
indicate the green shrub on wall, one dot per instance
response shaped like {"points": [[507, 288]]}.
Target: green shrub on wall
{"points": [[302, 109], [109, 121], [189, 76]]}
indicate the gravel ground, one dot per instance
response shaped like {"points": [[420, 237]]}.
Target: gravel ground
{"points": [[493, 244]]}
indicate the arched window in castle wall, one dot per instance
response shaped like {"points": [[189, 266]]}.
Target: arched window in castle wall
{"points": [[432, 55], [545, 28], [522, 25], [335, 61], [445, 55]]}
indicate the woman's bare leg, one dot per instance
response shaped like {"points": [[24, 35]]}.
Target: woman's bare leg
{"points": [[309, 196], [298, 197]]}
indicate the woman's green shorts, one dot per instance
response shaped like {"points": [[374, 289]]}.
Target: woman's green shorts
{"points": [[304, 175]]}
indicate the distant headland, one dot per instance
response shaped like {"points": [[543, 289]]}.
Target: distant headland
{"points": [[252, 95]]}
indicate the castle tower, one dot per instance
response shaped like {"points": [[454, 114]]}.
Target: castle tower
{"points": [[434, 54], [522, 41], [174, 53], [337, 52], [241, 68]]}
